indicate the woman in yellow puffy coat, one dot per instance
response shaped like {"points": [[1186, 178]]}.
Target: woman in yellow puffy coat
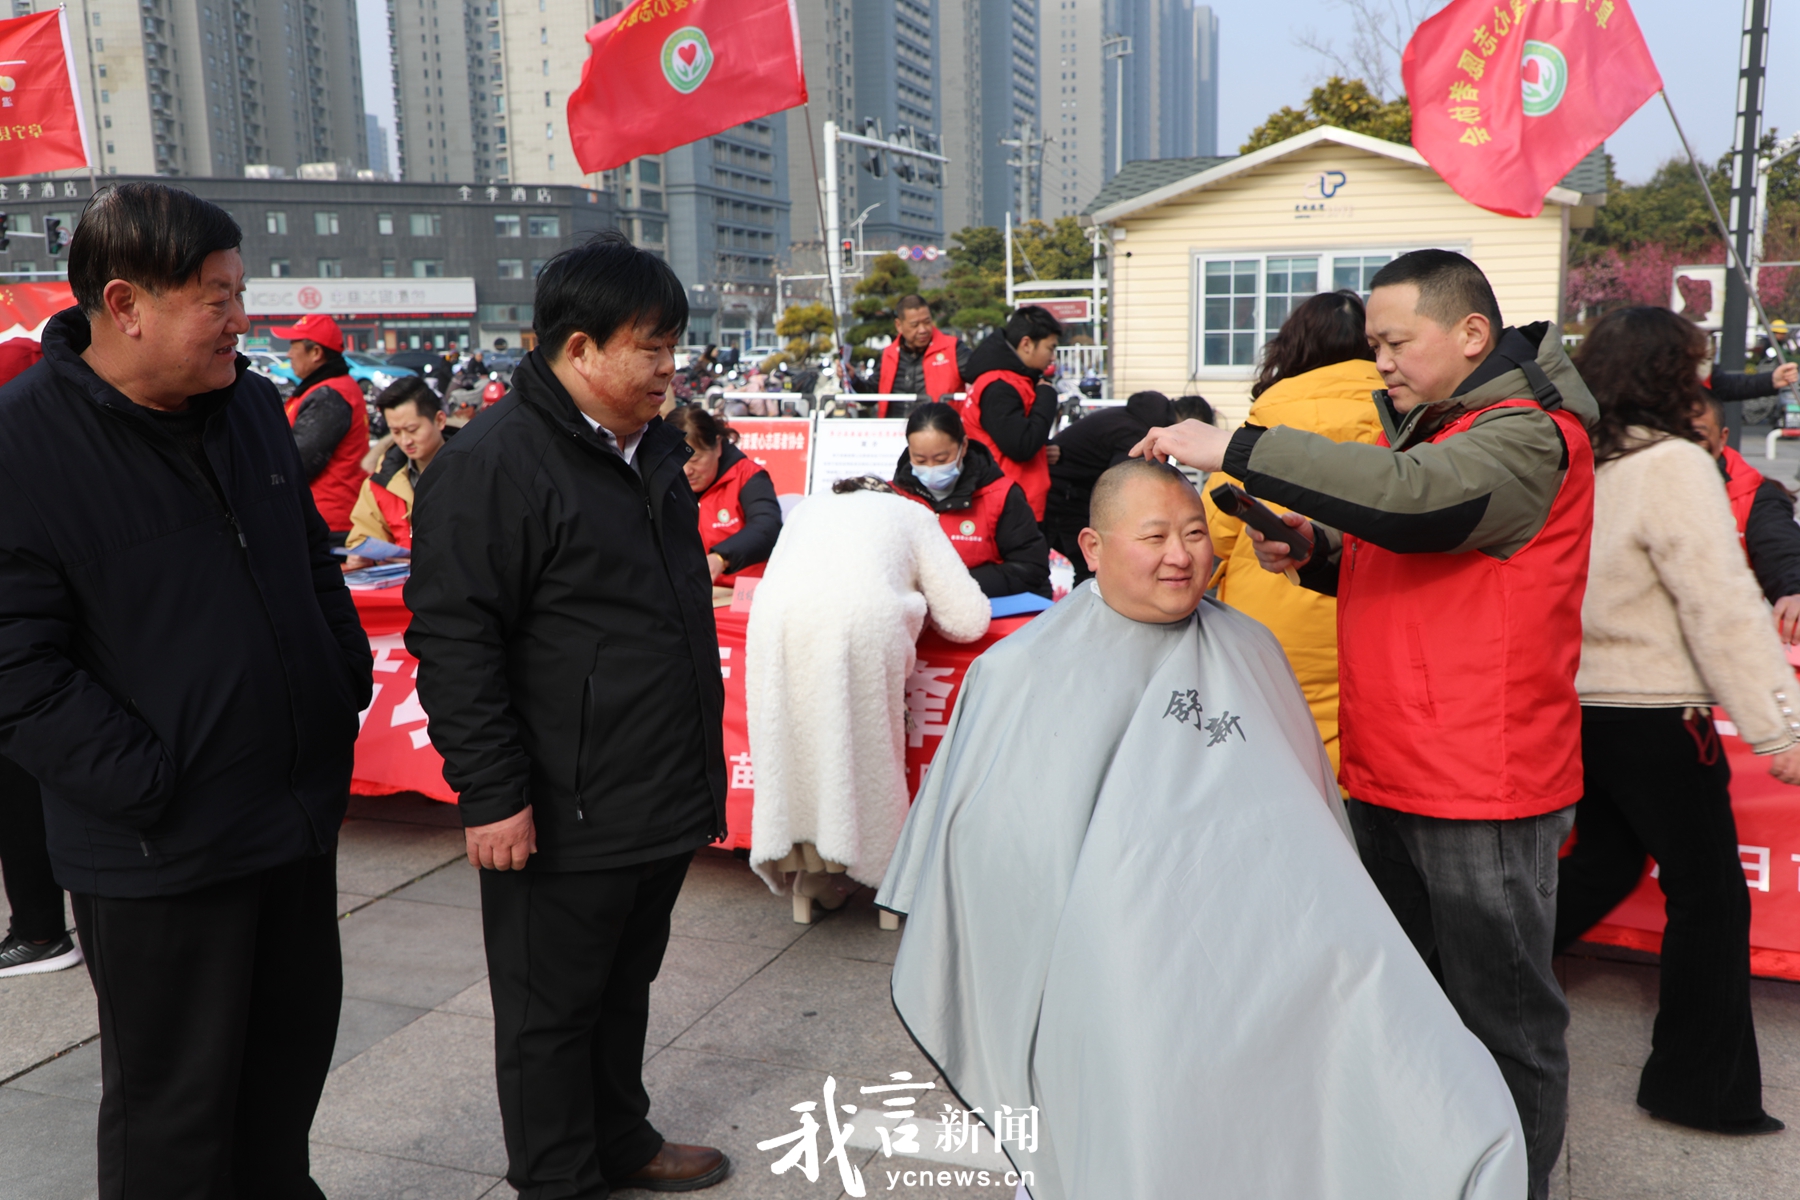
{"points": [[1317, 374]]}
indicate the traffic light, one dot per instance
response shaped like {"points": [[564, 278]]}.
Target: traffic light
{"points": [[847, 249], [53, 238], [4, 230]]}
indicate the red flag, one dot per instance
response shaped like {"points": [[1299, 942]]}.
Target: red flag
{"points": [[664, 73], [41, 126], [1507, 97]]}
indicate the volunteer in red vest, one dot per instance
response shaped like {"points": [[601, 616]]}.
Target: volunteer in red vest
{"points": [[1764, 511], [740, 517], [984, 514], [415, 416], [1457, 547], [329, 416], [1008, 408], [922, 360]]}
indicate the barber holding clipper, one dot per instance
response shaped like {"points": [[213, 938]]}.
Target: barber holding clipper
{"points": [[1458, 551]]}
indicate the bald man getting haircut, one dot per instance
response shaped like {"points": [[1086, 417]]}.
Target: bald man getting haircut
{"points": [[1140, 908]]}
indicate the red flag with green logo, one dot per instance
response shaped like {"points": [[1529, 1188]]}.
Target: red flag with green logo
{"points": [[664, 73], [41, 127], [1507, 97]]}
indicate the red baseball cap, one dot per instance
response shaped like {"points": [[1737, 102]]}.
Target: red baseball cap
{"points": [[313, 327]]}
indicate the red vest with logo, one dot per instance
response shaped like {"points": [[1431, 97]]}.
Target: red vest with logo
{"points": [[1457, 671], [1033, 475], [336, 487], [971, 529], [722, 514], [942, 378], [1741, 483], [396, 512]]}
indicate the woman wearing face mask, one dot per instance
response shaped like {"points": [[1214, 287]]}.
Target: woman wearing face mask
{"points": [[740, 518], [983, 513]]}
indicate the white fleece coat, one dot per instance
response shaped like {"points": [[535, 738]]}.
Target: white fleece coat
{"points": [[829, 652]]}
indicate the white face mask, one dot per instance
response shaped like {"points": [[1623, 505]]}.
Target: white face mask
{"points": [[940, 478]]}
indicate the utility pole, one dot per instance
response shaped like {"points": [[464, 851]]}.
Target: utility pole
{"points": [[1116, 49], [1734, 321], [1028, 158]]}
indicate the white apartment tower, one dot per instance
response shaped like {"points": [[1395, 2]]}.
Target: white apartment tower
{"points": [[209, 87]]}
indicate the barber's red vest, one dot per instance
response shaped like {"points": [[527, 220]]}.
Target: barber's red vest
{"points": [[1741, 483], [336, 487], [1034, 475], [942, 377], [971, 530], [1457, 671], [722, 514]]}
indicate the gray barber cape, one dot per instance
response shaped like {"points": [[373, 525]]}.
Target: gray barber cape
{"points": [[1133, 901]]}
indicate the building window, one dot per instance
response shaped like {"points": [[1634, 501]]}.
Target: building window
{"points": [[428, 268], [105, 96], [384, 224], [537, 264], [389, 268], [425, 224], [1355, 273], [280, 268], [275, 222], [649, 172], [506, 225], [544, 226], [650, 231], [325, 224], [1243, 299], [331, 268], [650, 199], [24, 268], [511, 268]]}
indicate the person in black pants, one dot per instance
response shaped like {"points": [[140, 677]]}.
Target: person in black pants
{"points": [[1672, 621], [181, 669], [570, 668], [38, 941]]}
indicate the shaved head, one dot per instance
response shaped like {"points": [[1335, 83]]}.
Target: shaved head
{"points": [[1107, 503], [1147, 543]]}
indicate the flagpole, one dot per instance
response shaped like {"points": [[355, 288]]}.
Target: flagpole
{"points": [[812, 150], [1724, 232]]}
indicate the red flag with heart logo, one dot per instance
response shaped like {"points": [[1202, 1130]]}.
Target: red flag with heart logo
{"points": [[41, 125], [1507, 97], [664, 73]]}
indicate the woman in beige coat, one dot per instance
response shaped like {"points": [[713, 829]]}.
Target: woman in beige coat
{"points": [[1673, 622]]}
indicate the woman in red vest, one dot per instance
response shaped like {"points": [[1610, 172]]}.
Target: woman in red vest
{"points": [[740, 518], [984, 514], [1008, 408], [330, 418], [1672, 622]]}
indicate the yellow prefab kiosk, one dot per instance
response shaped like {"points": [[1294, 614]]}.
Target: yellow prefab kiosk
{"points": [[1209, 256]]}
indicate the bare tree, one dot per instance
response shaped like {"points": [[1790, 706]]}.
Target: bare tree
{"points": [[1380, 31]]}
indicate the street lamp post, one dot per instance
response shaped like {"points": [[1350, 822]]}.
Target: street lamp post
{"points": [[1117, 48]]}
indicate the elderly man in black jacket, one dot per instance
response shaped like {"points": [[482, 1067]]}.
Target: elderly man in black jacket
{"points": [[562, 619], [181, 669]]}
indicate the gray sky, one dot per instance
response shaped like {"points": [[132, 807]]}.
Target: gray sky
{"points": [[1261, 68]]}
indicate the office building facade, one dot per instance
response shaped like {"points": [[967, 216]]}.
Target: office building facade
{"points": [[385, 258], [989, 78]]}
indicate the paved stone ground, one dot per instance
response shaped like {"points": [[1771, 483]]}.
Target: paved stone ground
{"points": [[750, 1014]]}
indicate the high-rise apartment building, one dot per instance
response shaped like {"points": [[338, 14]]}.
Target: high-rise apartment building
{"points": [[828, 48], [1171, 81], [208, 87], [1074, 103], [989, 78], [896, 86]]}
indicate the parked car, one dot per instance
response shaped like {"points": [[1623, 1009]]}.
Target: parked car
{"points": [[374, 372], [426, 363]]}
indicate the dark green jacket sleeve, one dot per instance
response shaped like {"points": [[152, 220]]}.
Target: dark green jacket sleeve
{"points": [[1488, 488]]}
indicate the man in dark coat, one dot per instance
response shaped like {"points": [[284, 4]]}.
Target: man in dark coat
{"points": [[562, 619], [1085, 450], [181, 670]]}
